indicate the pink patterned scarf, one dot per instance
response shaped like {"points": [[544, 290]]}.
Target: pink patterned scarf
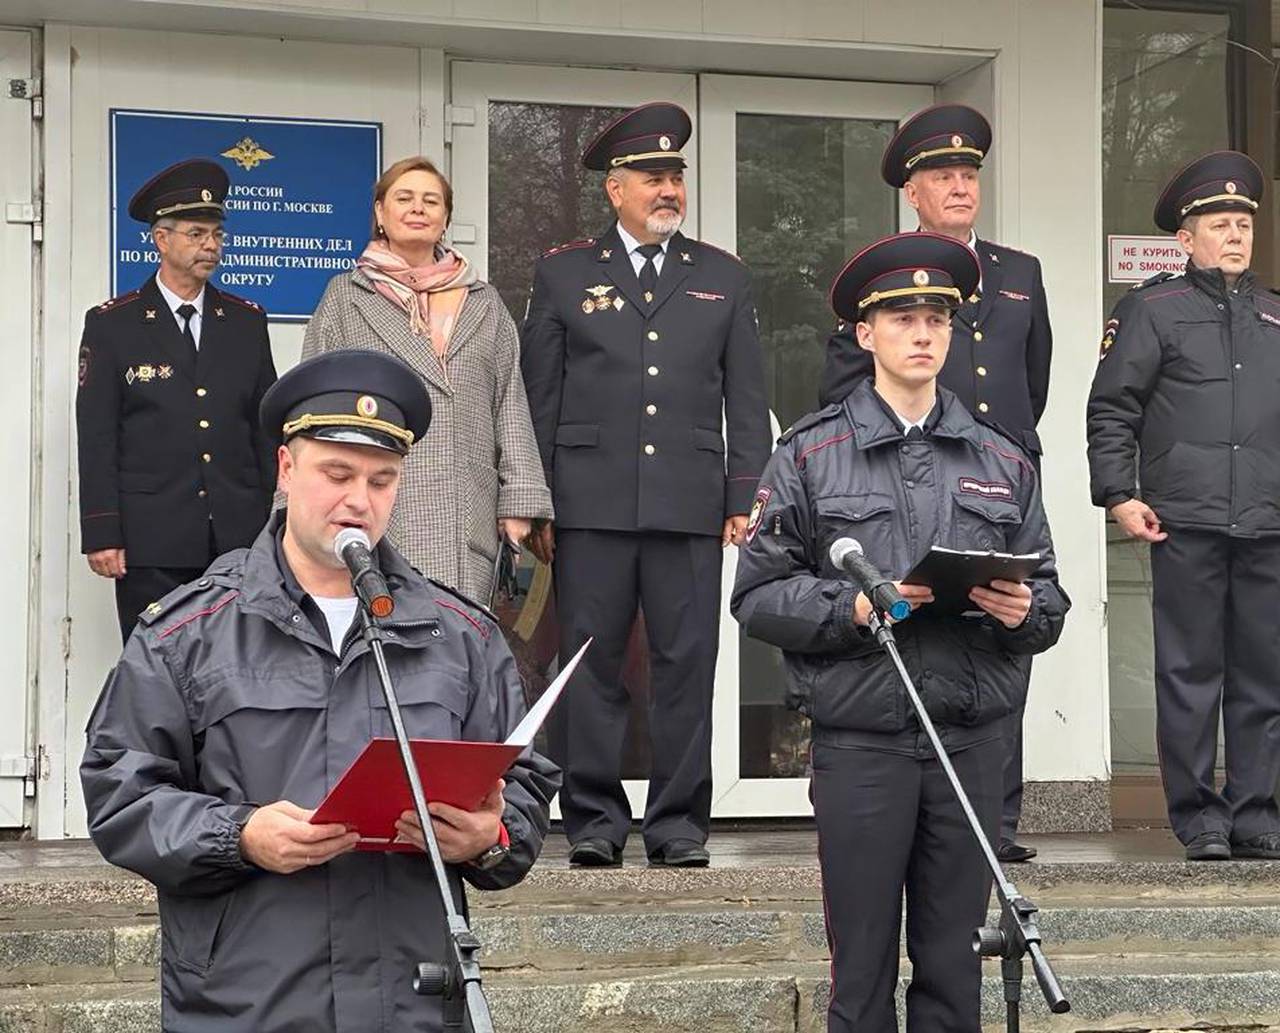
{"points": [[431, 295]]}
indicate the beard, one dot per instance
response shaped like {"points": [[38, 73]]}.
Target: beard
{"points": [[663, 223]]}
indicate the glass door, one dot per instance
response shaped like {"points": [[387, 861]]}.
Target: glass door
{"points": [[791, 182]]}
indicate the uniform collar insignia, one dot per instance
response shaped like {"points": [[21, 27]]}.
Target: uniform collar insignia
{"points": [[686, 258], [149, 315], [219, 313], [606, 254]]}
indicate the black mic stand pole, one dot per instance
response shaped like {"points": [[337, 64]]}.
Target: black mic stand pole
{"points": [[459, 976], [1017, 935]]}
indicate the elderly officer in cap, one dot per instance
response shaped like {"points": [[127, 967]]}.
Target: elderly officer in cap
{"points": [[900, 465], [243, 696], [640, 357], [1184, 452], [1001, 342], [174, 468]]}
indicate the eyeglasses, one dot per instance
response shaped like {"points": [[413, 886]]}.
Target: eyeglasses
{"points": [[198, 235]]}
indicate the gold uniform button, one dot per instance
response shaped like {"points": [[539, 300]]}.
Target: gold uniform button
{"points": [[983, 407], [207, 458], [202, 493], [652, 335], [201, 392], [653, 371], [977, 335], [652, 410], [204, 424], [982, 371], [649, 450]]}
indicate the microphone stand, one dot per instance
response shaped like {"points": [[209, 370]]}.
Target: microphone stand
{"points": [[1017, 933], [458, 978]]}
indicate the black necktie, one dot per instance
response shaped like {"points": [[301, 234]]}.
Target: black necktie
{"points": [[649, 271], [915, 434], [186, 311]]}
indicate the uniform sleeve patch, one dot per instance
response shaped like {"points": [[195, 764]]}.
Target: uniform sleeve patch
{"points": [[757, 511], [1108, 338], [82, 370], [987, 489]]}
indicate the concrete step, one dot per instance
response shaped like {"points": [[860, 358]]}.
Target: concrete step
{"points": [[1109, 994], [103, 949]]}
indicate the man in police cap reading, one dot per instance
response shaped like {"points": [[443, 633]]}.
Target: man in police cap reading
{"points": [[243, 696], [900, 465]]}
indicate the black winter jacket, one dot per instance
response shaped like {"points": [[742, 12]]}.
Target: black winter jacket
{"points": [[848, 470], [1187, 384]]}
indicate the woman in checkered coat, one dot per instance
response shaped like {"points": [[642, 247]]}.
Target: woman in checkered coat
{"points": [[477, 474]]}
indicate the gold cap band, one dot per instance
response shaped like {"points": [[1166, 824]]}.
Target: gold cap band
{"points": [[1200, 201], [308, 420], [875, 297], [973, 151], [186, 206], [627, 159]]}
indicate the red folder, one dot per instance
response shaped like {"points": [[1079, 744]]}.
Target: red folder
{"points": [[374, 791]]}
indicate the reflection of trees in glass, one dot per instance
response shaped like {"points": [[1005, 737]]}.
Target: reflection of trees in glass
{"points": [[539, 193], [1164, 101], [809, 195]]}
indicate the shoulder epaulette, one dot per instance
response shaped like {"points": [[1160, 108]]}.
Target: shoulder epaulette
{"points": [[123, 299], [810, 420], [187, 603], [727, 254], [1003, 431], [572, 245], [480, 608], [252, 305], [1151, 281]]}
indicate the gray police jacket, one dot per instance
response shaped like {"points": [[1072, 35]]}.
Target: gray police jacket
{"points": [[849, 471], [1186, 383], [225, 697]]}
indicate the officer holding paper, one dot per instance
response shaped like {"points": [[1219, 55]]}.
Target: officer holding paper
{"points": [[900, 465], [253, 684]]}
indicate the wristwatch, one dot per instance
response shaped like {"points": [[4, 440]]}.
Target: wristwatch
{"points": [[496, 854], [491, 858]]}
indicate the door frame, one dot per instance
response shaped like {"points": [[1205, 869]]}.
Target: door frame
{"points": [[723, 97]]}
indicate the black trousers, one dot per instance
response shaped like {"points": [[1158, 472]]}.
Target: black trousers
{"points": [[1217, 648], [888, 824], [143, 586], [600, 578], [1011, 811]]}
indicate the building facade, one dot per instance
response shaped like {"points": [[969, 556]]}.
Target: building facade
{"points": [[792, 105]]}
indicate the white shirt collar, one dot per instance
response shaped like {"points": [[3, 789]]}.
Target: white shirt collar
{"points": [[908, 424], [630, 243], [174, 302]]}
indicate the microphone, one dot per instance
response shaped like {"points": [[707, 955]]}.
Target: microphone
{"points": [[846, 554], [352, 547]]}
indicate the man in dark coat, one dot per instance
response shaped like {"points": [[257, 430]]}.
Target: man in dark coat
{"points": [[243, 696], [1001, 342], [900, 465], [174, 468], [1184, 452], [640, 357]]}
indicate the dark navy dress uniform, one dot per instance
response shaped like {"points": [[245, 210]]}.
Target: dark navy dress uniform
{"points": [[174, 467], [889, 825], [652, 422], [1184, 414], [1001, 340]]}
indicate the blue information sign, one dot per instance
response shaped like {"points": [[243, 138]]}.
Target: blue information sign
{"points": [[297, 213]]}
